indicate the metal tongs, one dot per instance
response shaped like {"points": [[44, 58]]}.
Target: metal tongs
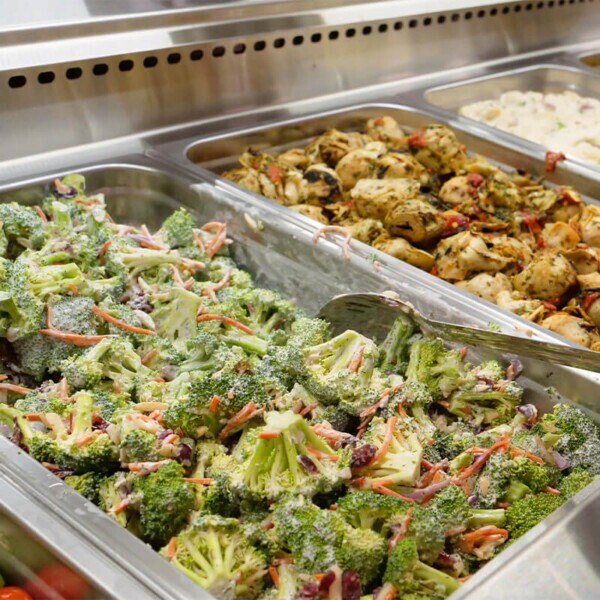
{"points": [[373, 314]]}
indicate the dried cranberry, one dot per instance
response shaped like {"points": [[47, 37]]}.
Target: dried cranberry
{"points": [[362, 455], [325, 583], [185, 453], [308, 464], [161, 435], [98, 423], [140, 302], [351, 589], [309, 591]]}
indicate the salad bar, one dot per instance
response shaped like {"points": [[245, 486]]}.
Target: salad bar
{"points": [[175, 419]]}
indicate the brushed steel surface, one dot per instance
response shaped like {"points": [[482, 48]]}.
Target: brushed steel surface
{"points": [[94, 78], [278, 250], [374, 314], [24, 489]]}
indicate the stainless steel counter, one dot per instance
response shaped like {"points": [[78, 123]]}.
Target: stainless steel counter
{"points": [[82, 87]]}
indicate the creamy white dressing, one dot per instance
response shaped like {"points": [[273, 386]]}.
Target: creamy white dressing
{"points": [[565, 122]]}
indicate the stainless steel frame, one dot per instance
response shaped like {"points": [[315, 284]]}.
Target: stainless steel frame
{"points": [[278, 249], [99, 81]]}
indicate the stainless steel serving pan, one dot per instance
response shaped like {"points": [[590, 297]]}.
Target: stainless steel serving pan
{"points": [[543, 78], [205, 158], [278, 250]]}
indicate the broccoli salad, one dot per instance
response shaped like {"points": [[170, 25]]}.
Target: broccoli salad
{"points": [[565, 121], [257, 453]]}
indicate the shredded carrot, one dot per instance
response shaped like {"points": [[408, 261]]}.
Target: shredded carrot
{"points": [[86, 439], [318, 576], [171, 548], [248, 412], [63, 388], [226, 320], [73, 338], [402, 531], [177, 276], [214, 404], [387, 440], [465, 578], [269, 435], [357, 359], [274, 576], [170, 439], [102, 251], [358, 482], [231, 394], [121, 506], [382, 488], [551, 490], [215, 287], [384, 396], [331, 435], [49, 317], [198, 241], [199, 480], [322, 455], [218, 239], [158, 379], [478, 463], [426, 464], [518, 452], [3, 377], [110, 319], [41, 213], [73, 289], [50, 466], [149, 356], [386, 592], [333, 506], [85, 201], [308, 409], [11, 387], [33, 417], [483, 532]]}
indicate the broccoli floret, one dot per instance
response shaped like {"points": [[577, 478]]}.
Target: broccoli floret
{"points": [[395, 349], [166, 500], [527, 512], [573, 435], [206, 352], [319, 539], [175, 315], [493, 482], [113, 360], [428, 528], [22, 228], [441, 370], [286, 456], [365, 509], [41, 354], [42, 401], [336, 416], [534, 475], [113, 494], [87, 485], [452, 506], [84, 448], [108, 403], [484, 407], [409, 575], [257, 529], [574, 482], [178, 229], [39, 444], [214, 553], [138, 445], [400, 464], [161, 356], [200, 409], [415, 398], [341, 369], [44, 281]]}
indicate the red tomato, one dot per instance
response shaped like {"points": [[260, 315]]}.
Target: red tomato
{"points": [[13, 593], [60, 578]]}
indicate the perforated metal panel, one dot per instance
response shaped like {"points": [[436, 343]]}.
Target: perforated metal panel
{"points": [[211, 70]]}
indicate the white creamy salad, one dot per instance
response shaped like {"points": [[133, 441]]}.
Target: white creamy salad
{"points": [[565, 122]]}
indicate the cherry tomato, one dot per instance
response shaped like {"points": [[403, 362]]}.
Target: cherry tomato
{"points": [[60, 578], [13, 593]]}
